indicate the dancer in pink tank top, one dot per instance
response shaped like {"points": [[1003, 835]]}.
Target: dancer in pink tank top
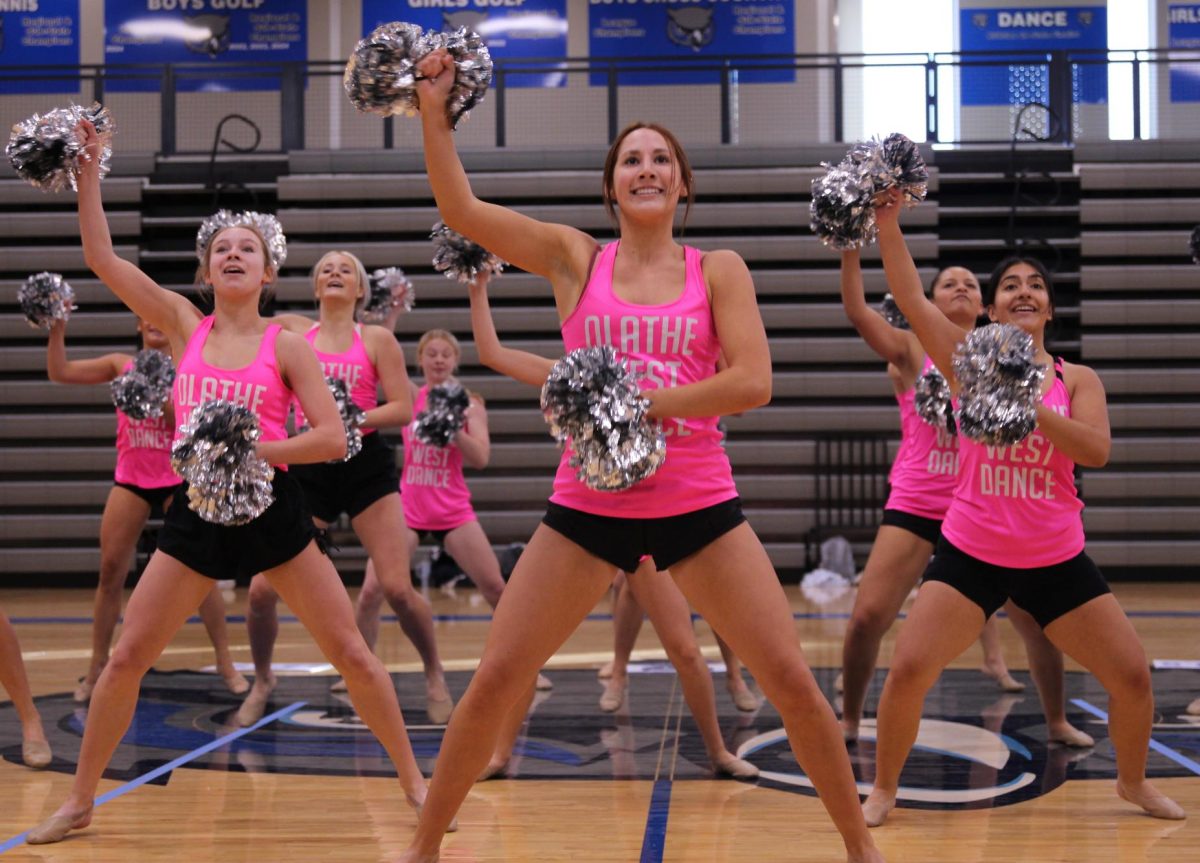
{"points": [[143, 486], [922, 479], [368, 359], [670, 310], [236, 354], [1013, 531]]}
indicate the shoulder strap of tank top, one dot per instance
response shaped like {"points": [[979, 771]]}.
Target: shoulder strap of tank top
{"points": [[1058, 369], [266, 350], [195, 345]]}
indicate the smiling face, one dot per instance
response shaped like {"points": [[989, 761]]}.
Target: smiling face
{"points": [[1022, 297], [438, 359], [957, 295], [236, 264], [337, 278], [645, 175]]}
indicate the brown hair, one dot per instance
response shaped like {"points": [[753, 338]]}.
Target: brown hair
{"points": [[201, 280], [446, 336], [681, 159]]}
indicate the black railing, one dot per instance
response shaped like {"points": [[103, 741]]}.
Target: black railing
{"points": [[727, 77]]}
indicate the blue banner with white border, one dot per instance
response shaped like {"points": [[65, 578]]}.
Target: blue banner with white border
{"points": [[518, 30], [219, 33], [1015, 80], [1183, 31], [39, 33], [699, 30]]}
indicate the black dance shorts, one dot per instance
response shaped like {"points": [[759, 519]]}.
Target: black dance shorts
{"points": [[156, 498], [239, 551], [351, 486], [928, 529], [624, 541], [1046, 592]]}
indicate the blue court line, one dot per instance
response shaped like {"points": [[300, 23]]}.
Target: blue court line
{"points": [[1178, 757], [19, 839], [654, 841]]}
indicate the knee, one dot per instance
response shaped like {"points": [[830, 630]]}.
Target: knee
{"points": [[685, 655], [352, 658], [868, 621], [262, 598], [910, 674], [793, 690], [113, 571], [129, 660], [1132, 680]]}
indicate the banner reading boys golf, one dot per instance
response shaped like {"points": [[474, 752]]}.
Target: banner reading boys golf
{"points": [[219, 33], [44, 33], [1183, 31], [699, 31], [1016, 80], [516, 30]]}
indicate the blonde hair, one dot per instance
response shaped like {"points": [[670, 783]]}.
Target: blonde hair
{"points": [[205, 287], [446, 336], [364, 281]]}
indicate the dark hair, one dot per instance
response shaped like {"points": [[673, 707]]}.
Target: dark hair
{"points": [[610, 168], [989, 293]]}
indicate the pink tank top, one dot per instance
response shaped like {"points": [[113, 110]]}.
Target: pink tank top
{"points": [[144, 451], [1016, 506], [432, 488], [354, 367], [665, 345], [257, 386], [925, 471]]}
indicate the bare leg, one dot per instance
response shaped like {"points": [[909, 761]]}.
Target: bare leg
{"points": [[743, 697], [262, 624], [1119, 663], [1046, 666], [166, 595], [555, 584], [672, 620], [510, 733], [370, 603], [941, 625], [212, 612], [471, 550], [627, 623], [124, 518], [752, 614], [896, 562], [377, 527], [35, 750], [994, 665]]}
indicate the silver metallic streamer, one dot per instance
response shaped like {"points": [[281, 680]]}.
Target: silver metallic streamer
{"points": [[594, 404], [1194, 244], [45, 149], [228, 483], [352, 416], [444, 414], [460, 258], [142, 392], [892, 314], [842, 211], [390, 289], [1000, 385], [931, 398], [46, 297], [265, 223], [381, 74]]}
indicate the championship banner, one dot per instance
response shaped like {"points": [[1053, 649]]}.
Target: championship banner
{"points": [[39, 33]]}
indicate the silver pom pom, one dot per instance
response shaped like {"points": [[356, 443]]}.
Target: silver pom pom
{"points": [[592, 402], [460, 258], [931, 398], [264, 223], [142, 391], [228, 483], [892, 314], [45, 149], [1000, 385], [390, 289], [444, 414], [381, 75], [1194, 244], [842, 210], [352, 416], [46, 297]]}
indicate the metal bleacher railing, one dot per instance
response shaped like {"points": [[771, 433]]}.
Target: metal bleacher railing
{"points": [[827, 90]]}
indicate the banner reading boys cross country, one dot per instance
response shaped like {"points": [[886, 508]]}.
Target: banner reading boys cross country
{"points": [[698, 29], [512, 30], [216, 32], [39, 33]]}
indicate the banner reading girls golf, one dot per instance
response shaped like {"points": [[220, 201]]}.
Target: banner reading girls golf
{"points": [[696, 29], [1016, 80], [513, 29], [39, 33], [1183, 31], [220, 33]]}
